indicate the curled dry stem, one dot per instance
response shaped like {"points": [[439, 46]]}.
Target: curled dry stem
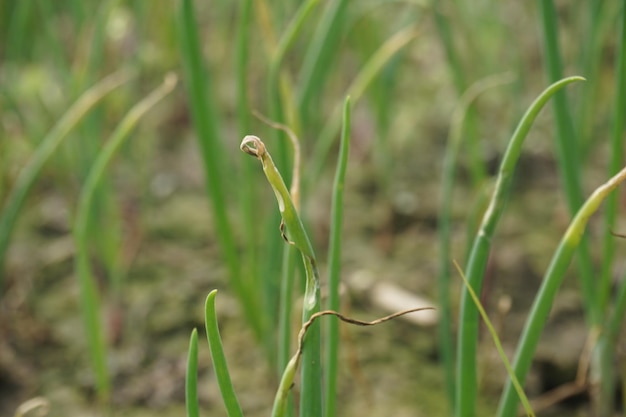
{"points": [[254, 146], [288, 376], [294, 190]]}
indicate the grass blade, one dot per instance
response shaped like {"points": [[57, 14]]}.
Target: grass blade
{"points": [[466, 390], [458, 74], [311, 394], [605, 378], [274, 79], [49, 145], [219, 360], [549, 286], [455, 136], [205, 119], [191, 381], [320, 52], [363, 79], [496, 340], [567, 149], [616, 161], [90, 303], [334, 265]]}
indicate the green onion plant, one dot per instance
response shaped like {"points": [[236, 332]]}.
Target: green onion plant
{"points": [[90, 300], [50, 143]]}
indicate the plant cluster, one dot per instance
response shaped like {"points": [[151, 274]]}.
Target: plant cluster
{"points": [[286, 60]]}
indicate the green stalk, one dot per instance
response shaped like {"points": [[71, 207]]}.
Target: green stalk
{"points": [[311, 392], [285, 308], [334, 265], [519, 390], [275, 79], [19, 33], [361, 82], [606, 351], [604, 376], [477, 167], [382, 94], [54, 47], [205, 120], [568, 152], [243, 112], [90, 303], [220, 366], [50, 143], [455, 136], [248, 181], [323, 47], [288, 267], [109, 234], [549, 287], [617, 319], [191, 380], [466, 390], [615, 162], [590, 59]]}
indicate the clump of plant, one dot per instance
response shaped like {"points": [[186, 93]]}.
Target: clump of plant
{"points": [[308, 349], [291, 104]]}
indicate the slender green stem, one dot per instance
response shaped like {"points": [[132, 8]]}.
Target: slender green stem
{"points": [[607, 345], [205, 118], [477, 168], [549, 287], [589, 63], [568, 152], [324, 45], [18, 32], [617, 318], [360, 83], [109, 235], [334, 265], [50, 143], [247, 185], [220, 366], [455, 136], [191, 380], [519, 390], [466, 390], [285, 308], [615, 162], [274, 78], [311, 393], [90, 303]]}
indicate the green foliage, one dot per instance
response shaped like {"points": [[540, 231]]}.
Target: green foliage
{"points": [[219, 358], [90, 304], [406, 66], [466, 390], [191, 382], [29, 174]]}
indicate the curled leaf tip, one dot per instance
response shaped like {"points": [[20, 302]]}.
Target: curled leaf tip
{"points": [[252, 145]]}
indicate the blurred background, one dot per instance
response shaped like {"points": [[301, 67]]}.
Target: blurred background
{"points": [[158, 237]]}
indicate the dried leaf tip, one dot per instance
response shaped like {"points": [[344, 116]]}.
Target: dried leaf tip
{"points": [[252, 145]]}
